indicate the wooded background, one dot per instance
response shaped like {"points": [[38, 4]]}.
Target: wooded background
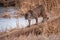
{"points": [[25, 5]]}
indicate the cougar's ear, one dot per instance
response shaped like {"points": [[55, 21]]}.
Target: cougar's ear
{"points": [[30, 11]]}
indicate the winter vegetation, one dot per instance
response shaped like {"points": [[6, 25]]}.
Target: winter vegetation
{"points": [[47, 30]]}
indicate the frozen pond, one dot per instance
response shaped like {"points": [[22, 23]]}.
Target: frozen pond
{"points": [[11, 23]]}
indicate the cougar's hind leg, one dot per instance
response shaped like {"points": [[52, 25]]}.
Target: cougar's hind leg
{"points": [[37, 20]]}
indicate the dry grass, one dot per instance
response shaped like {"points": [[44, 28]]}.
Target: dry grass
{"points": [[49, 30]]}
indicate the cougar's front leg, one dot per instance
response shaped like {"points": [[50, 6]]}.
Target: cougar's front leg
{"points": [[29, 22]]}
